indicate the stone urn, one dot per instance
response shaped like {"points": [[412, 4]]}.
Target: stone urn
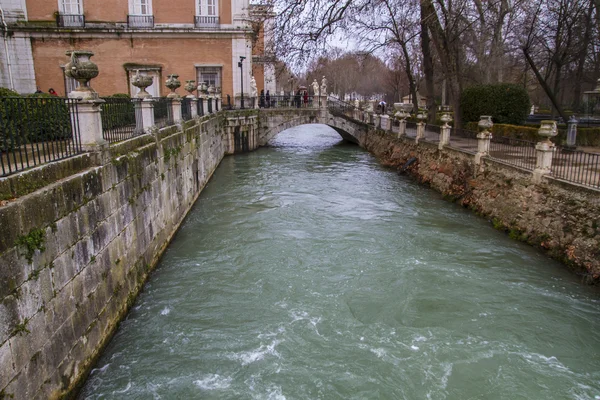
{"points": [[421, 116], [173, 83], [548, 129], [446, 119], [218, 90], [211, 90], [142, 82], [190, 86], [82, 69], [485, 123], [203, 88]]}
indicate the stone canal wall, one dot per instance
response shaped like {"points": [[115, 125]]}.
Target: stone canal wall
{"points": [[75, 253], [561, 218]]}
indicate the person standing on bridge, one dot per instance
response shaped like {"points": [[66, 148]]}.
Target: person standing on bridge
{"points": [[306, 98]]}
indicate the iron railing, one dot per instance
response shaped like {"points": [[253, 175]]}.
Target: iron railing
{"points": [[411, 129], [140, 21], [513, 151], [576, 166], [37, 130], [163, 115], [70, 20], [340, 107], [205, 21], [118, 119], [432, 133], [463, 139], [210, 105], [200, 107], [186, 109]]}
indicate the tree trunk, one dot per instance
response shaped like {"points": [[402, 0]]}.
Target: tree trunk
{"points": [[544, 85], [411, 79], [428, 70], [582, 56]]}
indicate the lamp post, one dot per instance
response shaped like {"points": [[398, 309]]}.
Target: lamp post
{"points": [[242, 58]]}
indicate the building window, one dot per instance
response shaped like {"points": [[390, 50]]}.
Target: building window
{"points": [[153, 89], [207, 13], [140, 7], [71, 13], [209, 75], [140, 14]]}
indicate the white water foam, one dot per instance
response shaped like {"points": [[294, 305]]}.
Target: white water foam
{"points": [[165, 311], [213, 382], [250, 357]]}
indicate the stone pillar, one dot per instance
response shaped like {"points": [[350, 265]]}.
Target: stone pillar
{"points": [[445, 131], [144, 110], [402, 128], [193, 106], [323, 101], [483, 138], [377, 120], [176, 109], [85, 114], [232, 123], [572, 133], [385, 122], [444, 136], [204, 99], [420, 131], [544, 150]]}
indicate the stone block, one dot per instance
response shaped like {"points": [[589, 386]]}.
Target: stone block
{"points": [[10, 216], [13, 273], [92, 183], [64, 270], [73, 192], [6, 360], [25, 344]]}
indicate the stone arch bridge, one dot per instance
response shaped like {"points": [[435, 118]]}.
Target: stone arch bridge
{"points": [[248, 130]]}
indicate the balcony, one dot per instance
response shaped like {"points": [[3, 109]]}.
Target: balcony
{"points": [[205, 21], [140, 21], [70, 20]]}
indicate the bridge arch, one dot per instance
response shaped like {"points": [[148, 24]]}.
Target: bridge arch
{"points": [[277, 120]]}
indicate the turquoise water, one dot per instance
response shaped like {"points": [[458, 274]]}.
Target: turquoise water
{"points": [[308, 271]]}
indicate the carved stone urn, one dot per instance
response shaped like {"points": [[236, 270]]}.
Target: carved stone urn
{"points": [[211, 90], [485, 123], [82, 69], [218, 90], [142, 82], [173, 84], [548, 129], [421, 116], [190, 86], [446, 119], [202, 87]]}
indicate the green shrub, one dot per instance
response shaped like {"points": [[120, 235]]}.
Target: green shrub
{"points": [[507, 103], [585, 136], [6, 92]]}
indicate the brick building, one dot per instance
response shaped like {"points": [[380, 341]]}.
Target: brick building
{"points": [[197, 39]]}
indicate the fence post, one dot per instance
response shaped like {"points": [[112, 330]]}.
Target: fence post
{"points": [[420, 127], [144, 114], [445, 131], [85, 114], [176, 109], [193, 105], [402, 127], [483, 138], [544, 151], [385, 122]]}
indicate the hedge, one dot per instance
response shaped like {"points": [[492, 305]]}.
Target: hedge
{"points": [[585, 136], [507, 103]]}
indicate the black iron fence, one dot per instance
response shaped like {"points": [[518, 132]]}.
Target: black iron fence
{"points": [[576, 166], [186, 109], [432, 133], [118, 119], [210, 105], [200, 107], [411, 129], [463, 139], [513, 151], [36, 130], [340, 107], [163, 115]]}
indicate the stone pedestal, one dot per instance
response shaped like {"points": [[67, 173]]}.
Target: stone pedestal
{"points": [[144, 114], [176, 109], [543, 162], [385, 122], [86, 115], [420, 131], [483, 145], [204, 100], [444, 136], [377, 120], [218, 103], [323, 101], [193, 106], [402, 128]]}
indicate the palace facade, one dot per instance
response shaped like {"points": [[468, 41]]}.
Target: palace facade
{"points": [[203, 40]]}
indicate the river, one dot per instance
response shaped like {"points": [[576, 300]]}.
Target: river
{"points": [[306, 270]]}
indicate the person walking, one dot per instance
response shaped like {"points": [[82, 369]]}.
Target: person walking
{"points": [[306, 98]]}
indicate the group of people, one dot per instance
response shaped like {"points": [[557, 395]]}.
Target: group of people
{"points": [[51, 91]]}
